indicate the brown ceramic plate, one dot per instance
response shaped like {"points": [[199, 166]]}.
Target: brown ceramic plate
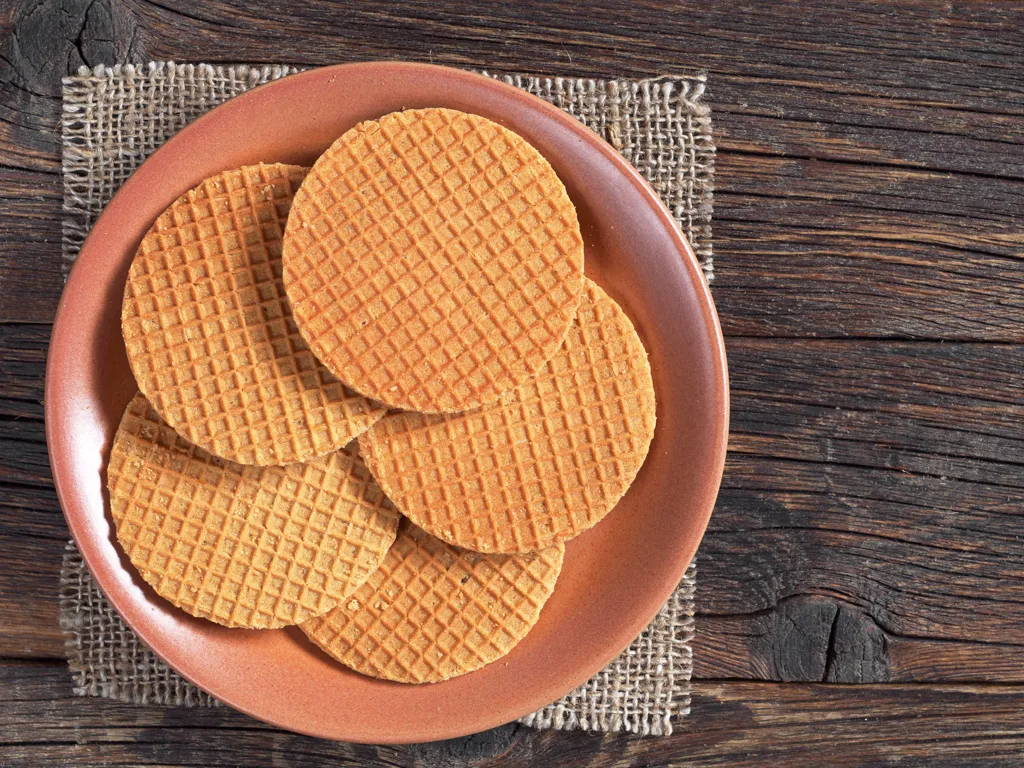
{"points": [[616, 576]]}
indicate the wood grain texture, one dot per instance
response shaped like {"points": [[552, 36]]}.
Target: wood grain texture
{"points": [[28, 597], [866, 521], [869, 261], [870, 165], [820, 248], [870, 512], [40, 42], [735, 724]]}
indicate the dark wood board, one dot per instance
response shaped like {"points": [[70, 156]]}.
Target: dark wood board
{"points": [[734, 725], [869, 244], [865, 523]]}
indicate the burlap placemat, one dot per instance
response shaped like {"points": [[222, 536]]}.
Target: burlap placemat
{"points": [[114, 118]]}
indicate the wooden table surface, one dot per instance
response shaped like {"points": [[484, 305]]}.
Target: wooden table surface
{"points": [[861, 597]]}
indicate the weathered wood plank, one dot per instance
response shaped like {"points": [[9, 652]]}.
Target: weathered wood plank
{"points": [[733, 724], [800, 116], [30, 276], [869, 519], [22, 440], [22, 367], [814, 248], [850, 47], [31, 511], [869, 185], [848, 90], [775, 281], [28, 598], [40, 42]]}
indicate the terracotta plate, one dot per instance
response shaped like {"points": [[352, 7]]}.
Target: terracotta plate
{"points": [[616, 576]]}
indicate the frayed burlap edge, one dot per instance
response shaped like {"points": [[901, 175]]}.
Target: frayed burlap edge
{"points": [[115, 117], [106, 658]]}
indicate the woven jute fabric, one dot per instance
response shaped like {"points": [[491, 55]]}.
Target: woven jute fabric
{"points": [[115, 117]]}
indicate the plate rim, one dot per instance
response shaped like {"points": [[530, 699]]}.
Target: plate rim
{"points": [[54, 385]]}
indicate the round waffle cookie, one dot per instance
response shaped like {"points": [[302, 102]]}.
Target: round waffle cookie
{"points": [[545, 462], [243, 546], [211, 338], [433, 611], [433, 260]]}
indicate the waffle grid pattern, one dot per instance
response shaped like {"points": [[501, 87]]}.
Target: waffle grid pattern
{"points": [[210, 334], [433, 259], [243, 546], [545, 462], [433, 611]]}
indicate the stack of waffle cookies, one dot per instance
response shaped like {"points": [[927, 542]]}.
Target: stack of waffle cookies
{"points": [[377, 396]]}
